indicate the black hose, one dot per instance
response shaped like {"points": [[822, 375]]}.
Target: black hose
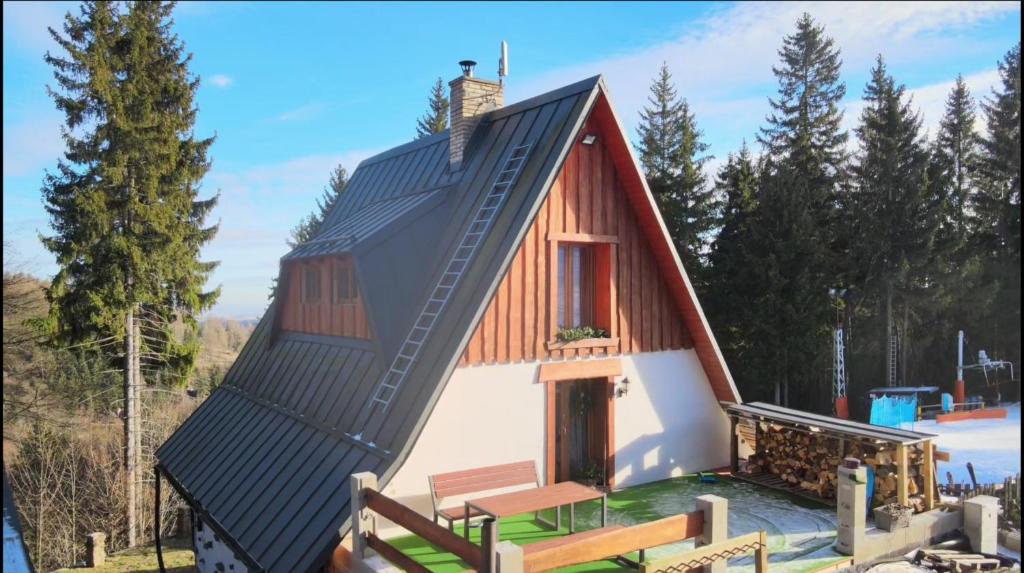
{"points": [[156, 518]]}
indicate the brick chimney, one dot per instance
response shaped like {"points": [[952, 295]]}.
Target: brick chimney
{"points": [[470, 98]]}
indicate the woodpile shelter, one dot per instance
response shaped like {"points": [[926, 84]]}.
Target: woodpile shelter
{"points": [[800, 452]]}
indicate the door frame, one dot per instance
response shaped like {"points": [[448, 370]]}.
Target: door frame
{"points": [[551, 409]]}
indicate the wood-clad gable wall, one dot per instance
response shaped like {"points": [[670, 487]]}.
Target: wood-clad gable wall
{"points": [[587, 204], [336, 310]]}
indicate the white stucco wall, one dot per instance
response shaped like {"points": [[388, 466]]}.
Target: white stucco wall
{"points": [[667, 425], [212, 554]]}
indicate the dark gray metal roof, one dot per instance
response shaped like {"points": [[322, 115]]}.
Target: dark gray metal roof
{"points": [[345, 235], [771, 412], [267, 457]]}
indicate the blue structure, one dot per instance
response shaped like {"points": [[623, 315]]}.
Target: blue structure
{"points": [[891, 411], [15, 555]]}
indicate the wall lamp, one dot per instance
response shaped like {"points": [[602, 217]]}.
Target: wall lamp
{"points": [[623, 388], [589, 139]]}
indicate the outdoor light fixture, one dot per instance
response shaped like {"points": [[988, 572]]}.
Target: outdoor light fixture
{"points": [[589, 139], [623, 388]]}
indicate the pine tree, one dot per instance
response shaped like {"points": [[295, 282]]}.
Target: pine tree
{"points": [[436, 118], [896, 218], [728, 274], [794, 230], [996, 210], [311, 224], [128, 223], [673, 153], [955, 161]]}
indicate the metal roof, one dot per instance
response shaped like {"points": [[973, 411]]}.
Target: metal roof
{"points": [[773, 413], [266, 458], [345, 235]]}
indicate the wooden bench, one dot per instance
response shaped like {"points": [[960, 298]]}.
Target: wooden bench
{"points": [[476, 480]]}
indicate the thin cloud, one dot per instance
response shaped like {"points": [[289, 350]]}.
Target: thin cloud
{"points": [[221, 81], [301, 113]]}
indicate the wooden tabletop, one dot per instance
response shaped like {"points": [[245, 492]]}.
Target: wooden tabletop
{"points": [[535, 499]]}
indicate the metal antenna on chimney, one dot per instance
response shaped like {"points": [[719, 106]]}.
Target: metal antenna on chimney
{"points": [[503, 62]]}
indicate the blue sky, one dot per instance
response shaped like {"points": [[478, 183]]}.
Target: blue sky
{"points": [[293, 89]]}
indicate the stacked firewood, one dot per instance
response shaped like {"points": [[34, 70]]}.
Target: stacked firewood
{"points": [[809, 461]]}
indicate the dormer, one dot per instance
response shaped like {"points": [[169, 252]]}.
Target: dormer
{"points": [[323, 297]]}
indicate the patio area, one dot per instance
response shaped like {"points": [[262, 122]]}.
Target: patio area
{"points": [[800, 533]]}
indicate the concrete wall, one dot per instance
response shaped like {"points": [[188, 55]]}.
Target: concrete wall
{"points": [[668, 424], [212, 554]]}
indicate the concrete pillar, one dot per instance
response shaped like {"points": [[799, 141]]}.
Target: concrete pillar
{"points": [[716, 526], [509, 557], [363, 520], [95, 550], [852, 505], [981, 523]]}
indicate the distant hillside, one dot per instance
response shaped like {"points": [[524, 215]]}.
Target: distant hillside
{"points": [[222, 339]]}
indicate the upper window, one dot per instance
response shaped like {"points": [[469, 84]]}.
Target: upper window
{"points": [[344, 290], [311, 284], [576, 285]]}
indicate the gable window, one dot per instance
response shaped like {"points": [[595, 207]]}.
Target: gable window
{"points": [[311, 284], [343, 285], [576, 285]]}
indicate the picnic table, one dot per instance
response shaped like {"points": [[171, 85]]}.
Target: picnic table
{"points": [[536, 499]]}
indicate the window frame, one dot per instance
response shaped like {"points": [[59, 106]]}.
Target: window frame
{"points": [[605, 297], [344, 269], [306, 296]]}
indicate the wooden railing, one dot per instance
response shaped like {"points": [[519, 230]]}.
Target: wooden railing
{"points": [[615, 542], [756, 543]]}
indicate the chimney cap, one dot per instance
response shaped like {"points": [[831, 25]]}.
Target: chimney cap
{"points": [[467, 67]]}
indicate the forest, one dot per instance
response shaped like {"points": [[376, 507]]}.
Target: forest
{"points": [[901, 236]]}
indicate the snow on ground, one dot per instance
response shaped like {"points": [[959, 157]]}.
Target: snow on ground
{"points": [[993, 446]]}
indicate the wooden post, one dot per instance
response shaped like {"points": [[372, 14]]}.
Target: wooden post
{"points": [[488, 545], [761, 554], [929, 475], [734, 446], [902, 475], [131, 407], [363, 520]]}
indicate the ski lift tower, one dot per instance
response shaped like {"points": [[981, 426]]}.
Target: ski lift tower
{"points": [[984, 364], [840, 404]]}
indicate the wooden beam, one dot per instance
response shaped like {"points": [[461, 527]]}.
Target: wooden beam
{"points": [[552, 421], [582, 238], [580, 369], [734, 447], [393, 555], [929, 475], [423, 527], [902, 489], [617, 542], [941, 456]]}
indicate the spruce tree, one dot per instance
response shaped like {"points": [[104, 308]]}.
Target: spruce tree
{"points": [[436, 118], [795, 226], [896, 219], [996, 210], [309, 226], [955, 161], [128, 222], [673, 153], [728, 275]]}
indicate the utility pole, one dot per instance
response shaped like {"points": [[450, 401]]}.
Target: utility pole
{"points": [[131, 415]]}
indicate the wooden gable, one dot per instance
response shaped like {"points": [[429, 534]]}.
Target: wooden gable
{"points": [[587, 205]]}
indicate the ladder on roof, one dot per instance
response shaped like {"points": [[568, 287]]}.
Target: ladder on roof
{"points": [[392, 380]]}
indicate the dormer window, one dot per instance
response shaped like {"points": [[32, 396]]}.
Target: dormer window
{"points": [[311, 285], [322, 297], [344, 290]]}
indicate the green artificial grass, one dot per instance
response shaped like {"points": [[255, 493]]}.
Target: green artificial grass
{"points": [[642, 504]]}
